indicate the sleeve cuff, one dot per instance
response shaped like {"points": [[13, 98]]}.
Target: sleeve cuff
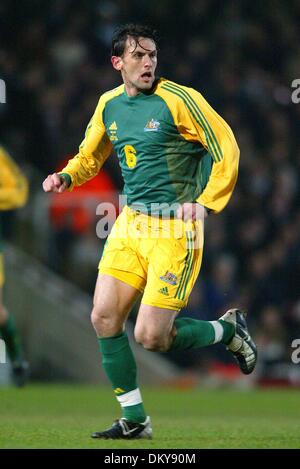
{"points": [[67, 178]]}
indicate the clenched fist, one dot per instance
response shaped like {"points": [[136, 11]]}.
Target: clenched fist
{"points": [[54, 183], [191, 211]]}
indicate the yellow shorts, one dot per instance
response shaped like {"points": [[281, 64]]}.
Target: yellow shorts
{"points": [[2, 277], [159, 257]]}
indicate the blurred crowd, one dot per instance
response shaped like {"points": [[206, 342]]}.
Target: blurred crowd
{"points": [[243, 57]]}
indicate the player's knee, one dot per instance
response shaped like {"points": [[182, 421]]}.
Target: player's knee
{"points": [[155, 344], [104, 323], [96, 319], [151, 341]]}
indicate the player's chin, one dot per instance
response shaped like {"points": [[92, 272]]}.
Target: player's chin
{"points": [[145, 85]]}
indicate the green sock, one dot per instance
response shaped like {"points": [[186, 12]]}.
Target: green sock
{"points": [[194, 333], [9, 334], [229, 331], [120, 367]]}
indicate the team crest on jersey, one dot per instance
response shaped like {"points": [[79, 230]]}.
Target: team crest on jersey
{"points": [[152, 126], [169, 278], [113, 132]]}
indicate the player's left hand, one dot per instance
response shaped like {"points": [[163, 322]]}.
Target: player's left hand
{"points": [[191, 211]]}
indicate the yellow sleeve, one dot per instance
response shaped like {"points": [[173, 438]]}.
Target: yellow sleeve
{"points": [[217, 137], [197, 121], [93, 151], [13, 184]]}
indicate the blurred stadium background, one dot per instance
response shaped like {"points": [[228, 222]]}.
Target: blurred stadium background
{"points": [[243, 56]]}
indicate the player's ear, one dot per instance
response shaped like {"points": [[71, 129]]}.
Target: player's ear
{"points": [[117, 62]]}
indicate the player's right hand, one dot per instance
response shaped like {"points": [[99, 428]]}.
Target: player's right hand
{"points": [[54, 183]]}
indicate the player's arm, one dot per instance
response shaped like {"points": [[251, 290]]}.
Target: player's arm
{"points": [[93, 152], [13, 183], [217, 137]]}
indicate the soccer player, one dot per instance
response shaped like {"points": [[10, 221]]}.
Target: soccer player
{"points": [[174, 151], [13, 194]]}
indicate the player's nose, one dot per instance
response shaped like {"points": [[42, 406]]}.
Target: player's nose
{"points": [[147, 61]]}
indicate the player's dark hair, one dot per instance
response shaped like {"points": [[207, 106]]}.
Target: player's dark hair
{"points": [[131, 30]]}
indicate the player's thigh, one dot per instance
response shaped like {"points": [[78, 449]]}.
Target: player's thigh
{"points": [[114, 294]]}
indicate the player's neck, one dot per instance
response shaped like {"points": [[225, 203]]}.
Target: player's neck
{"points": [[131, 90]]}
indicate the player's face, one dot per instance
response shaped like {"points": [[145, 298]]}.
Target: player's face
{"points": [[137, 65]]}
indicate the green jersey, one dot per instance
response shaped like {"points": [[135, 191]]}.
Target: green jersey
{"points": [[171, 145]]}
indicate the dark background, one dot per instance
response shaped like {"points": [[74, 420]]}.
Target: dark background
{"points": [[243, 57]]}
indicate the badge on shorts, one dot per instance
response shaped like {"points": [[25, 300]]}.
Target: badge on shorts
{"points": [[169, 278]]}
